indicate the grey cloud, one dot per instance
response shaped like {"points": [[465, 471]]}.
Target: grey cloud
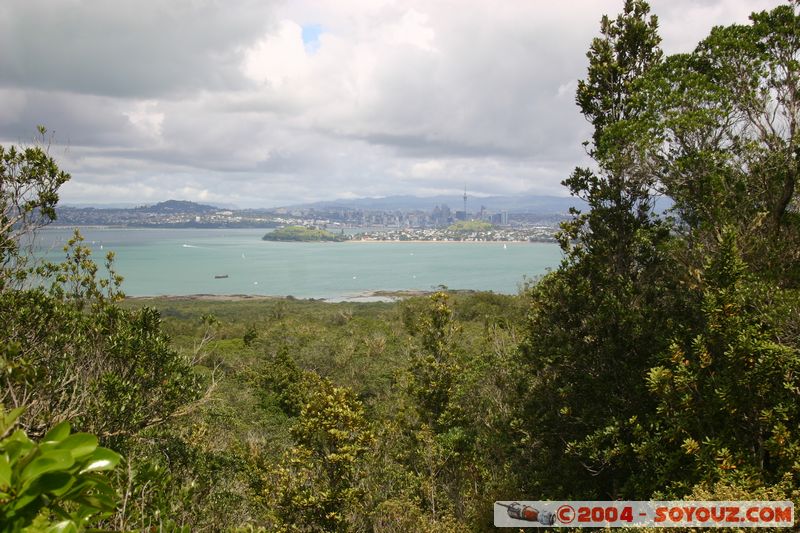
{"points": [[487, 91], [429, 146], [145, 48], [73, 119]]}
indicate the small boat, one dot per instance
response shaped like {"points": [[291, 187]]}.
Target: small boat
{"points": [[220, 276]]}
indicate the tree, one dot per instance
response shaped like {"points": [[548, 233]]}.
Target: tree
{"points": [[434, 363], [619, 191], [596, 325], [29, 183], [68, 351], [728, 396], [314, 487], [729, 117], [726, 386], [78, 356], [663, 351]]}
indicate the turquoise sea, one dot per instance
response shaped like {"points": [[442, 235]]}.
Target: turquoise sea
{"points": [[186, 261]]}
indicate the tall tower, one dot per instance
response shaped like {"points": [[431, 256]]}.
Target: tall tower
{"points": [[465, 201]]}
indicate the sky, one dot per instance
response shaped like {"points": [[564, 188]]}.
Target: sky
{"points": [[259, 103]]}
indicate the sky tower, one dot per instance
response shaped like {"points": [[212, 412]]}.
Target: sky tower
{"points": [[465, 201]]}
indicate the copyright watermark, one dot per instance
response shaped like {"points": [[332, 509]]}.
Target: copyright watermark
{"points": [[644, 514]]}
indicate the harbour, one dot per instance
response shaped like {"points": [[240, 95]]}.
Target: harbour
{"points": [[180, 262]]}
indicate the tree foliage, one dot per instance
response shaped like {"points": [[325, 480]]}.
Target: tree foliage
{"points": [[663, 353], [728, 393], [314, 487], [596, 324], [29, 183], [69, 352], [79, 356]]}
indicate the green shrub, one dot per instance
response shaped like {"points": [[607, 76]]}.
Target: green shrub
{"points": [[57, 484]]}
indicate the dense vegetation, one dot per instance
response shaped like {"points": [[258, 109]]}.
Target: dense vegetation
{"points": [[659, 361], [469, 226], [301, 234]]}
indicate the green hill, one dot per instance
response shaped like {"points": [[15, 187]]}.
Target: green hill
{"points": [[470, 226], [301, 234]]}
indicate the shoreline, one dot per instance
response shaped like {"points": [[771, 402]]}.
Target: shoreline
{"points": [[363, 297], [206, 297], [66, 227], [371, 241]]}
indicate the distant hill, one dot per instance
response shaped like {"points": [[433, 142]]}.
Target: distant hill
{"points": [[70, 205], [529, 204], [512, 204], [178, 206]]}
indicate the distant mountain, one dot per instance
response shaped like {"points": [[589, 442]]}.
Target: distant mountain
{"points": [[529, 204], [69, 205], [177, 206], [512, 204]]}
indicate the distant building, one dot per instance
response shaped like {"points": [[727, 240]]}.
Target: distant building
{"points": [[440, 215], [500, 219]]}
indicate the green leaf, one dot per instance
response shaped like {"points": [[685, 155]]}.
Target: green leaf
{"points": [[17, 443], [65, 526], [23, 501], [10, 418], [101, 459], [79, 444], [5, 471], [58, 432], [55, 483], [48, 462], [102, 503]]}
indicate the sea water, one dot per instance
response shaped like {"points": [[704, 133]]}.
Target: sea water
{"points": [[236, 261]]}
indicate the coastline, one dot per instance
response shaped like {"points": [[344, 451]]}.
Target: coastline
{"points": [[206, 297], [371, 241], [69, 227], [362, 297]]}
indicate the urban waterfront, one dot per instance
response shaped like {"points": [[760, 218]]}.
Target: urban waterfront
{"points": [[186, 261]]}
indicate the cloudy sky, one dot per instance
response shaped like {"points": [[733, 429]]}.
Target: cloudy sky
{"points": [[262, 103]]}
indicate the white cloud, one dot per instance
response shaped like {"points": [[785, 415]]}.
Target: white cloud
{"points": [[412, 29], [144, 117], [684, 24], [278, 58], [426, 169]]}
